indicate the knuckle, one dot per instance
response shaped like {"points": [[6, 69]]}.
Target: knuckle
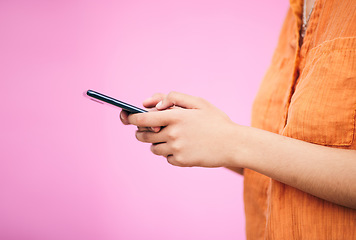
{"points": [[172, 135], [171, 95], [176, 147], [202, 101]]}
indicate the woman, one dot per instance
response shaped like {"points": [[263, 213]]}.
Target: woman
{"points": [[299, 157]]}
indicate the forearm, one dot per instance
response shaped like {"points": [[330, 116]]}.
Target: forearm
{"points": [[325, 172]]}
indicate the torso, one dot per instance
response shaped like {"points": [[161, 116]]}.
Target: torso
{"points": [[308, 93]]}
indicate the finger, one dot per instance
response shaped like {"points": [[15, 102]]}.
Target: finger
{"points": [[124, 117], [171, 160], [150, 137], [160, 149], [152, 119], [155, 129], [149, 129], [152, 101], [181, 100], [143, 129]]}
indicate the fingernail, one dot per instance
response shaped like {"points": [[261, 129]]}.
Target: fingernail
{"points": [[155, 129], [159, 104]]}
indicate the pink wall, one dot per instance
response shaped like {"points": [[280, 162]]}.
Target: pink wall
{"points": [[68, 168]]}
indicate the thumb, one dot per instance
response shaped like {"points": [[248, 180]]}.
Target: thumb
{"points": [[181, 100], [152, 101]]}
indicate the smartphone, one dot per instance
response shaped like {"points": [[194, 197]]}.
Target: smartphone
{"points": [[101, 98]]}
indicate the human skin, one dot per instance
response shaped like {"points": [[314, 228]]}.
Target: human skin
{"points": [[189, 131]]}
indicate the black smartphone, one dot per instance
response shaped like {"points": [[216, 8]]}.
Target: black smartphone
{"points": [[101, 98]]}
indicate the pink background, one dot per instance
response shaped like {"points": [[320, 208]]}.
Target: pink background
{"points": [[69, 169]]}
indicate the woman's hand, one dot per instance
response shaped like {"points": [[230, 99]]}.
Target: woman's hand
{"points": [[149, 103], [193, 133]]}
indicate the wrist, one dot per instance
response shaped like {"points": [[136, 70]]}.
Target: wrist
{"points": [[242, 150]]}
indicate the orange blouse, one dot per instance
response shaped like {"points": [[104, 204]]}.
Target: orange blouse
{"points": [[308, 93]]}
